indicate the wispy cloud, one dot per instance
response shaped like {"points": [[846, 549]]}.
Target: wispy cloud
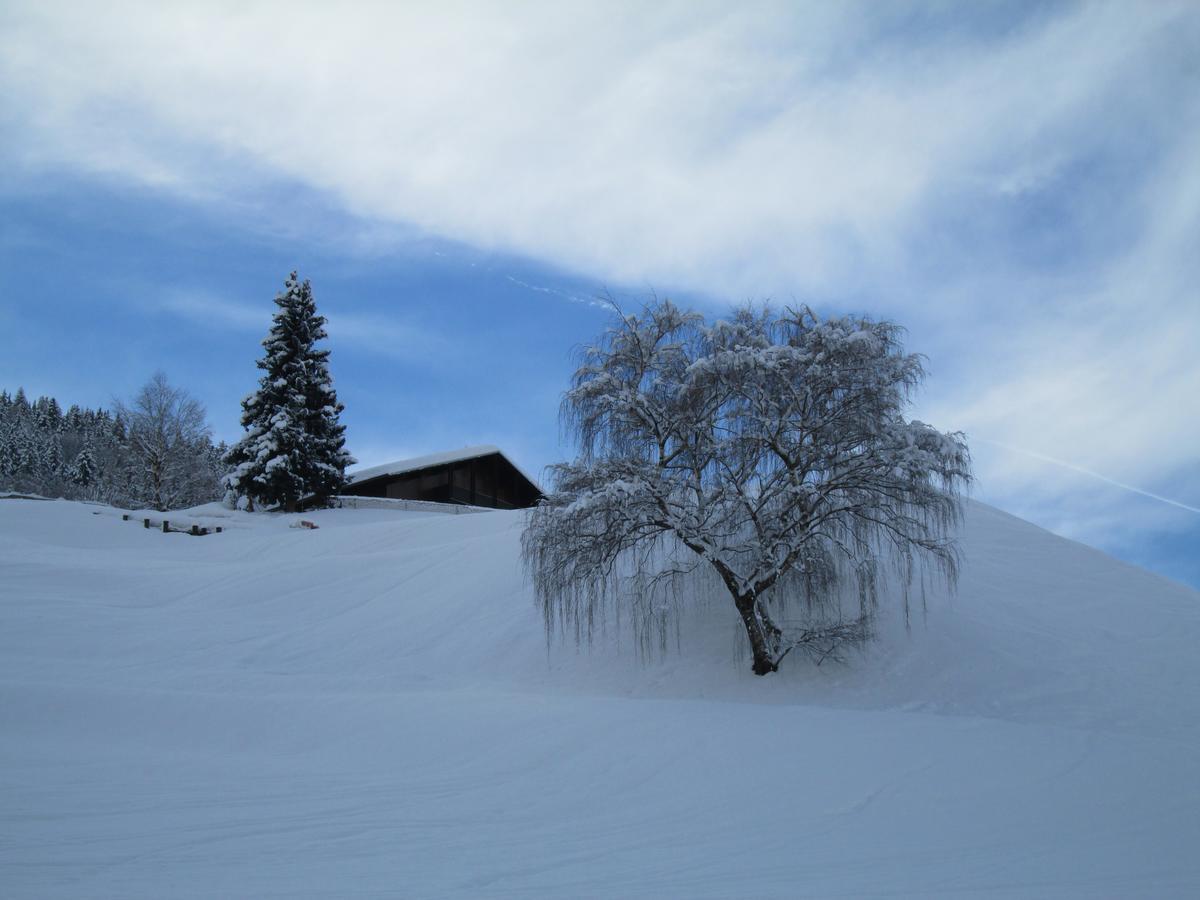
{"points": [[1096, 475], [381, 334], [206, 309], [388, 336], [555, 292]]}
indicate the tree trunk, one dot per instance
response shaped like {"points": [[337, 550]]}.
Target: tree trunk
{"points": [[761, 641]]}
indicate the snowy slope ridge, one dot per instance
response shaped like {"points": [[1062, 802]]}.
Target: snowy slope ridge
{"points": [[371, 709]]}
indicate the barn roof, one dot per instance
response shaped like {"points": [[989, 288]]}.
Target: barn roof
{"points": [[403, 466]]}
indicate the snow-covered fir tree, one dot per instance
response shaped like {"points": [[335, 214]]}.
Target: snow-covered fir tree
{"points": [[9, 456], [83, 469], [294, 446]]}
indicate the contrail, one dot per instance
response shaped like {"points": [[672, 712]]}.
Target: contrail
{"points": [[1083, 471]]}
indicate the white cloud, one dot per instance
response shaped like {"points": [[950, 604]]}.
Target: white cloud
{"points": [[692, 144]]}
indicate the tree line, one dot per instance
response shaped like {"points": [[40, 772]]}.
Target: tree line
{"points": [[154, 451]]}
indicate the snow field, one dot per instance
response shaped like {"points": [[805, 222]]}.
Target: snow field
{"points": [[370, 709]]}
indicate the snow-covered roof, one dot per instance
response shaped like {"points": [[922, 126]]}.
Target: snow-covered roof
{"points": [[400, 466]]}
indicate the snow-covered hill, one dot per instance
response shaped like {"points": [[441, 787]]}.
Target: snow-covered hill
{"points": [[371, 709]]}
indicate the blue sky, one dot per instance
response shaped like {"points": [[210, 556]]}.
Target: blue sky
{"points": [[1016, 183]]}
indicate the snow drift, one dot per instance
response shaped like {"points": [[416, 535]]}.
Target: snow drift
{"points": [[371, 709]]}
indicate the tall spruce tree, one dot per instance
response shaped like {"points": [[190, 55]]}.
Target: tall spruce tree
{"points": [[294, 446]]}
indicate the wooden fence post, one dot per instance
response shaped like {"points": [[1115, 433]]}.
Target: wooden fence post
{"points": [[166, 526], [145, 523]]}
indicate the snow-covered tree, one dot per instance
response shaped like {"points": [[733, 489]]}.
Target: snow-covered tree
{"points": [[168, 439], [10, 456], [294, 446], [765, 458], [83, 470], [49, 415], [52, 454], [27, 453]]}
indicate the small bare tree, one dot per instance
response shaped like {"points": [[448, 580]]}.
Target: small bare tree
{"points": [[169, 439], [766, 455]]}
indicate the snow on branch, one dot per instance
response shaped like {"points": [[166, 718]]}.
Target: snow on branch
{"points": [[765, 456]]}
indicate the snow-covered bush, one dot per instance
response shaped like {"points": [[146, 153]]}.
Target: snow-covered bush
{"points": [[765, 458]]}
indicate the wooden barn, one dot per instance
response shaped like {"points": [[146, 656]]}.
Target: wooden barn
{"points": [[474, 476]]}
